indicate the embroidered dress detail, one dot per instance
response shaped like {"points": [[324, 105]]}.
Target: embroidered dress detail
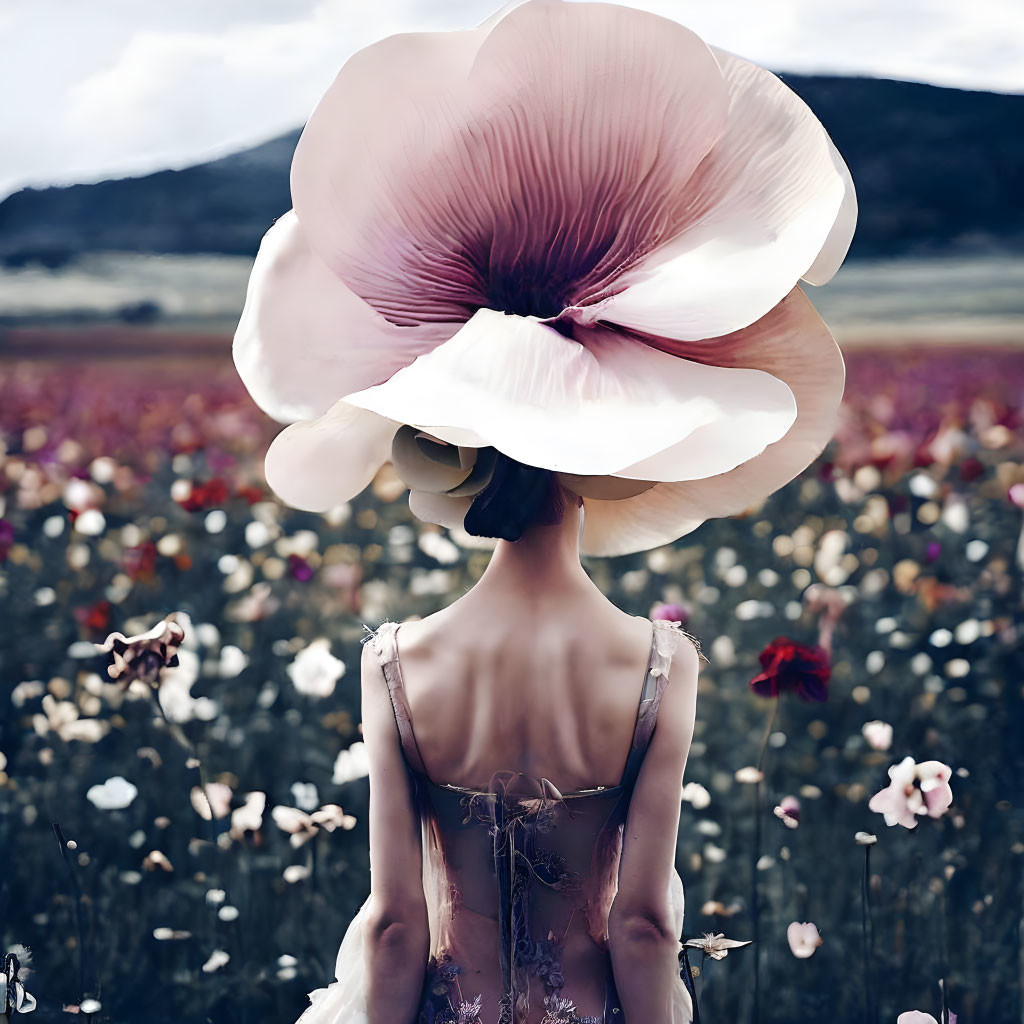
{"points": [[519, 879]]}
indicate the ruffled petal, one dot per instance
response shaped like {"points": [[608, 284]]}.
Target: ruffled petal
{"points": [[518, 166], [305, 339], [317, 464], [836, 246], [443, 509], [594, 406], [770, 203], [791, 343]]}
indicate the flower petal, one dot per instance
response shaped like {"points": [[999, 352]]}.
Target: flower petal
{"points": [[317, 464], [442, 509], [595, 406], [836, 246], [791, 343], [305, 339], [525, 161], [763, 207]]}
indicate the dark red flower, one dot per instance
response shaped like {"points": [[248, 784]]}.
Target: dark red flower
{"points": [[6, 538], [139, 562], [250, 494], [971, 469], [793, 668], [209, 494], [94, 617]]}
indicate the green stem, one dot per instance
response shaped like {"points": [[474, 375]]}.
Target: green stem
{"points": [[755, 897], [178, 734]]}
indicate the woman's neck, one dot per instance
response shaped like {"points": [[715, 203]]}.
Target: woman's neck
{"points": [[545, 561]]}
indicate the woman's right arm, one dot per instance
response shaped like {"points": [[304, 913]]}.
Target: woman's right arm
{"points": [[398, 939], [641, 933]]}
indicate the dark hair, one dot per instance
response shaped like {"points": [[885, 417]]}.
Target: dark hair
{"points": [[516, 497]]}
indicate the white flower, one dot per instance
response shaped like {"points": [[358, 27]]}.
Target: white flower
{"points": [[803, 939], [305, 795], [215, 796], [715, 945], [878, 734], [113, 795], [696, 795], [217, 959], [749, 774], [248, 817], [315, 671], [352, 763], [13, 997]]}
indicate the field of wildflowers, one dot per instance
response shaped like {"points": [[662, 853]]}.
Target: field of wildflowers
{"points": [[189, 843]]}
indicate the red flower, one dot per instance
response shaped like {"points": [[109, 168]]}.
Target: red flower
{"points": [[94, 617], [250, 494], [211, 494], [139, 562], [795, 668]]}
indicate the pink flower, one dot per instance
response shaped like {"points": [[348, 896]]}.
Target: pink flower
{"points": [[803, 939], [671, 613], [920, 1017], [788, 811], [914, 789], [508, 238]]}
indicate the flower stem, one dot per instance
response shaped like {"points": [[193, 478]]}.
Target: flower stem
{"points": [[76, 893], [186, 744], [754, 891], [866, 934]]}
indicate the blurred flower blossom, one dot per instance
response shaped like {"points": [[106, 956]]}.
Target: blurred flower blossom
{"points": [[315, 671], [749, 774], [144, 656], [803, 939], [878, 734], [795, 668], [351, 763], [215, 796], [920, 1017], [305, 795], [914, 789], [696, 795], [714, 945], [113, 795], [865, 839], [788, 810], [6, 538], [248, 817], [217, 959], [302, 826], [671, 613]]}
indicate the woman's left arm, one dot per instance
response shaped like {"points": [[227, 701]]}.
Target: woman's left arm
{"points": [[398, 937]]}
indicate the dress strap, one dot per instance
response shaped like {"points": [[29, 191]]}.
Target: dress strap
{"points": [[385, 644], [664, 639]]}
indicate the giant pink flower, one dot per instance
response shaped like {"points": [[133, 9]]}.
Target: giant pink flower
{"points": [[573, 234]]}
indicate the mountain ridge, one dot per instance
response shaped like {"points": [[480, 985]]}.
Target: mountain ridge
{"points": [[936, 169]]}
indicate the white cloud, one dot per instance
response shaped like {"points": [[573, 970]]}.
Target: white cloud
{"points": [[126, 87]]}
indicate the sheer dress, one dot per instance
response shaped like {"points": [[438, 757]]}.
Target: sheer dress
{"points": [[519, 879]]}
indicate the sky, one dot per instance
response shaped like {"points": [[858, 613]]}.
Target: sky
{"points": [[109, 88]]}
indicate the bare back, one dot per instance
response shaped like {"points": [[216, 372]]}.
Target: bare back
{"points": [[553, 696]]}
